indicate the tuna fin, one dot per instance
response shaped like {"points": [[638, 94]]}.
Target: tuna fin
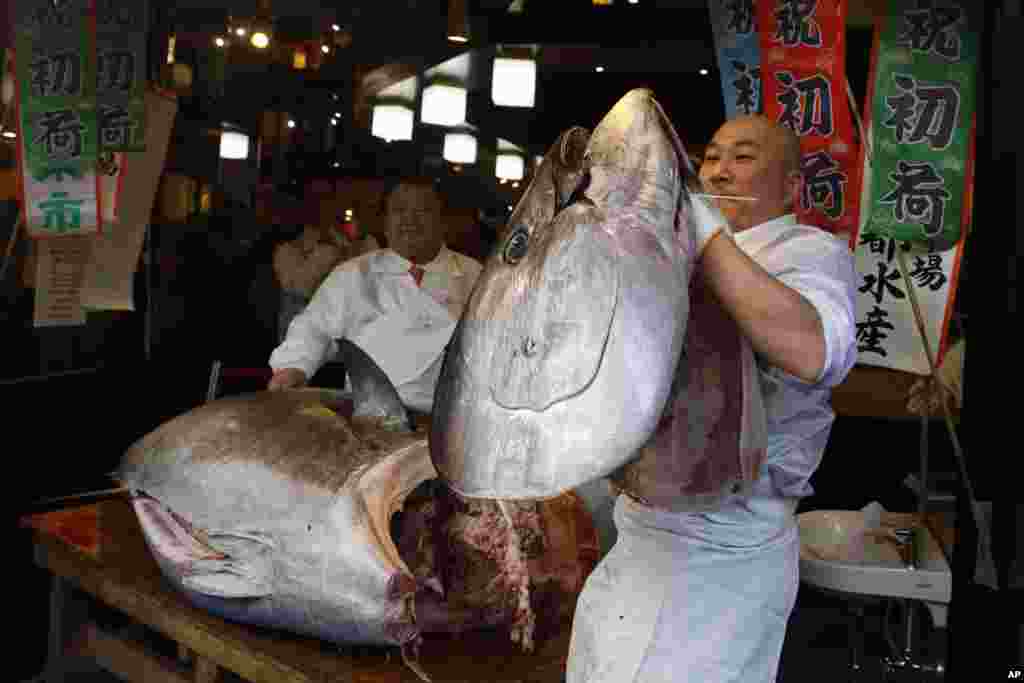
{"points": [[228, 579], [243, 571], [202, 567], [374, 394]]}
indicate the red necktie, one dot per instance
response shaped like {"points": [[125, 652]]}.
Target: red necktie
{"points": [[417, 274]]}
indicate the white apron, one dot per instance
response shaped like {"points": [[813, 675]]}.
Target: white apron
{"points": [[410, 337], [701, 598]]}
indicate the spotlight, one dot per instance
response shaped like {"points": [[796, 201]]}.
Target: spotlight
{"points": [[219, 41], [335, 28], [326, 49]]}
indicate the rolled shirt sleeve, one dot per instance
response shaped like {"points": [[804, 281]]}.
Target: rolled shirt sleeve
{"points": [[822, 270], [311, 335]]}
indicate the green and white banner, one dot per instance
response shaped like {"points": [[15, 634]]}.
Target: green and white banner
{"points": [[921, 109], [55, 56]]}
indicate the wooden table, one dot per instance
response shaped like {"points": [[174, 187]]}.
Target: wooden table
{"points": [[121, 574]]}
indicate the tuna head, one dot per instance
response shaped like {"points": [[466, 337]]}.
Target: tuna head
{"points": [[273, 509], [563, 360]]}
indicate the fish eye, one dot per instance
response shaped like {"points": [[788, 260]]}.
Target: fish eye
{"points": [[515, 246]]}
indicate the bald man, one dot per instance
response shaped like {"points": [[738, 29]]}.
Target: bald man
{"points": [[706, 595]]}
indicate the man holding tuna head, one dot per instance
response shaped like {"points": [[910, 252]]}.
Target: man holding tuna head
{"points": [[727, 575], [399, 304]]}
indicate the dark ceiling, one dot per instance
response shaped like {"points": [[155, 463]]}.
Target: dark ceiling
{"points": [[658, 44]]}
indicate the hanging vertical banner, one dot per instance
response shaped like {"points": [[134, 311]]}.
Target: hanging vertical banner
{"points": [[737, 49], [887, 330], [121, 73], [902, 135], [110, 273], [55, 57], [803, 53], [922, 103]]}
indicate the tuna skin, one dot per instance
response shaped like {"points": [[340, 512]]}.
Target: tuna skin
{"points": [[300, 501], [563, 361], [274, 510]]}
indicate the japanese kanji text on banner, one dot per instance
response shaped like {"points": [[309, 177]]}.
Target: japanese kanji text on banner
{"points": [[55, 60], [803, 50]]}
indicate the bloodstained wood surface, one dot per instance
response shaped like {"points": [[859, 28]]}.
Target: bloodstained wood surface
{"points": [[126, 577]]}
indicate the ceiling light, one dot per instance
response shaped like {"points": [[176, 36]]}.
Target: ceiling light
{"points": [[234, 145], [460, 148], [10, 134], [599, 69], [443, 105], [703, 72], [325, 48], [513, 82], [334, 122], [509, 166], [260, 39], [335, 27], [392, 122], [262, 25], [291, 123], [240, 32], [458, 21], [337, 164], [219, 41]]}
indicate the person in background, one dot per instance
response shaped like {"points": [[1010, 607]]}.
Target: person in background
{"points": [[399, 304], [300, 265], [706, 595]]}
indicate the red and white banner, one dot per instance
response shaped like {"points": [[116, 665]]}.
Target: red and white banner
{"points": [[803, 76]]}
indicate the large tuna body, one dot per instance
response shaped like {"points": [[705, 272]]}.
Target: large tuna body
{"points": [[284, 509], [563, 361]]}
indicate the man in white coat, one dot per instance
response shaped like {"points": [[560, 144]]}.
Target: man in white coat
{"points": [[705, 595], [399, 304]]}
